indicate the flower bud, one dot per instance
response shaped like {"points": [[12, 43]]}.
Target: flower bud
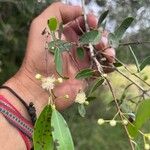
{"points": [[66, 96], [113, 123], [38, 76], [60, 80], [86, 103], [101, 121], [124, 122]]}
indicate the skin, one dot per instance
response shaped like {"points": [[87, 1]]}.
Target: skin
{"points": [[24, 82]]}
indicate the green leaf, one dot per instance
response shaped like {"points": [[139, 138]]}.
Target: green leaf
{"points": [[96, 84], [123, 27], [81, 110], [135, 58], [42, 137], [80, 52], [61, 134], [85, 73], [143, 113], [113, 40], [52, 24], [60, 44], [142, 116], [102, 17], [90, 98], [58, 61], [92, 37], [145, 62], [117, 64]]}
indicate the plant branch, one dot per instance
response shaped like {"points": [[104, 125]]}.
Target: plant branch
{"points": [[100, 69], [134, 43]]}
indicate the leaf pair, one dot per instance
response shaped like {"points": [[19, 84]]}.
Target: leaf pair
{"points": [[51, 131]]}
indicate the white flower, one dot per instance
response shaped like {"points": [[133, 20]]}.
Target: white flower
{"points": [[80, 98], [147, 146], [125, 122], [48, 83], [113, 123], [101, 121]]}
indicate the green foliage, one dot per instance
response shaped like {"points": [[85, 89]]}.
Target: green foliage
{"points": [[92, 37], [119, 32], [53, 24], [42, 138], [58, 61], [60, 44], [117, 64], [81, 110], [145, 62], [98, 82], [85, 73], [115, 37], [135, 59], [80, 52], [61, 134], [142, 116], [102, 17]]}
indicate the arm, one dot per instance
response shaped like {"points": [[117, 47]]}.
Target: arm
{"points": [[37, 60]]}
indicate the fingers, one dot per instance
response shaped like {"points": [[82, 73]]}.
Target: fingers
{"points": [[105, 48], [78, 25], [63, 12]]}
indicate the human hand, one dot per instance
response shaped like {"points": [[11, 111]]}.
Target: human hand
{"points": [[39, 60]]}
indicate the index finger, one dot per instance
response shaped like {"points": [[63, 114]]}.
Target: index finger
{"points": [[63, 12]]}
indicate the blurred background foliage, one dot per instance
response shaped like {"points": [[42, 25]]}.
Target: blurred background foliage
{"points": [[15, 19]]}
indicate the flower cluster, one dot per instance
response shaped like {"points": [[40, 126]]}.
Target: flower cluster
{"points": [[48, 83]]}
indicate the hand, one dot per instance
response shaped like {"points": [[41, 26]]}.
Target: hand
{"points": [[39, 60]]}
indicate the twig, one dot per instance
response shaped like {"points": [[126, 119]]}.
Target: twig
{"points": [[100, 69], [134, 43]]}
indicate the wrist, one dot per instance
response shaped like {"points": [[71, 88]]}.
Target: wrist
{"points": [[28, 88]]}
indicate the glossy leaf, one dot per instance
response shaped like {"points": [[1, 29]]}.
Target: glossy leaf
{"points": [[52, 24], [102, 17], [81, 110], [92, 37], [80, 52], [61, 134], [60, 44], [135, 59], [123, 27], [142, 116], [85, 73], [58, 61], [42, 137], [145, 62], [96, 84]]}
